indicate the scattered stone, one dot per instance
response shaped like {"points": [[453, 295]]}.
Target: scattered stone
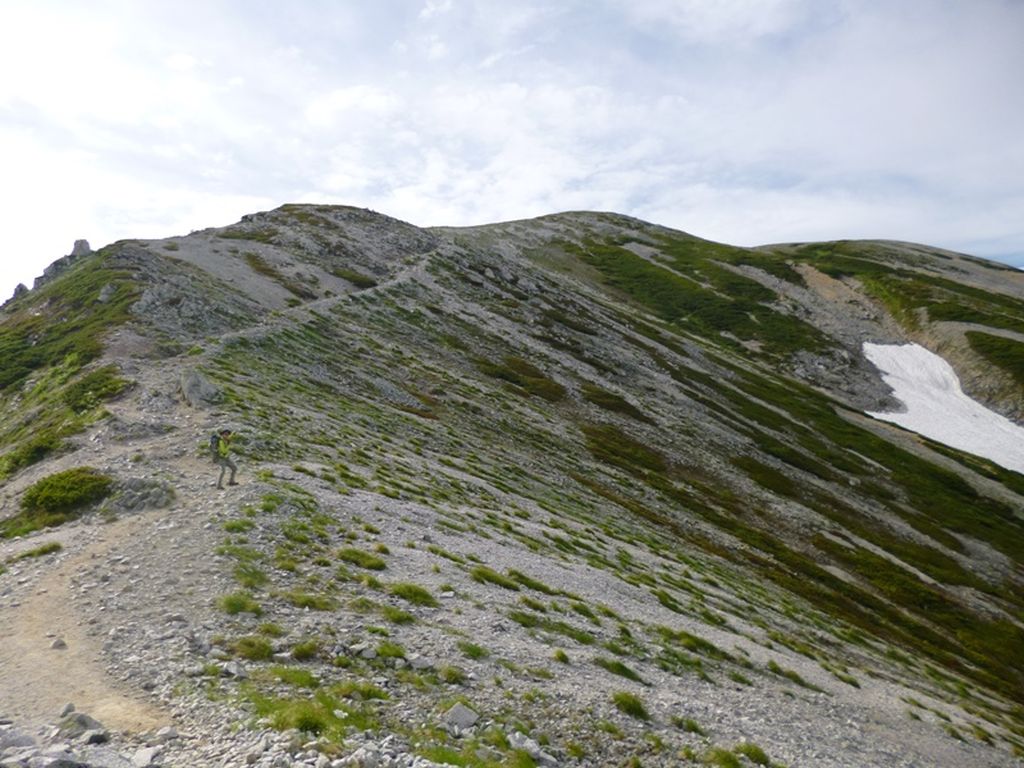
{"points": [[59, 644], [146, 756], [234, 669]]}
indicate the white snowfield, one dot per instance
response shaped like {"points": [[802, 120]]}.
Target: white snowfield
{"points": [[937, 408]]}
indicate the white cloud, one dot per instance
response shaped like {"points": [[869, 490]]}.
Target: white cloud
{"points": [[326, 110], [729, 22], [435, 8]]}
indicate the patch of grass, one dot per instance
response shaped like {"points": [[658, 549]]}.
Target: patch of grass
{"points": [[485, 575], [611, 445], [94, 388], [790, 675], [451, 675], [299, 678], [530, 583], [240, 602], [265, 268], [396, 615], [472, 650], [306, 650], [630, 704], [242, 525], [253, 648], [358, 279], [723, 758], [524, 377], [389, 649], [313, 602], [362, 559], [609, 401], [533, 621], [687, 724], [414, 594], [62, 321], [753, 753], [616, 667], [1001, 352], [270, 629], [40, 551]]}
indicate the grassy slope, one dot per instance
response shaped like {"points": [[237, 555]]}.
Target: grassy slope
{"points": [[642, 416], [636, 475]]}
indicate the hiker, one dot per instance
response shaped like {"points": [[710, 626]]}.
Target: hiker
{"points": [[221, 443]]}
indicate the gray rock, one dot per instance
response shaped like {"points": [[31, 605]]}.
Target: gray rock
{"points": [[146, 756], [12, 739], [80, 248], [95, 736], [419, 663], [461, 716], [198, 391], [234, 669], [67, 710], [59, 644], [521, 741], [76, 724]]}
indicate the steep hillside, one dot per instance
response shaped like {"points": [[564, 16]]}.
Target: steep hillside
{"points": [[608, 487]]}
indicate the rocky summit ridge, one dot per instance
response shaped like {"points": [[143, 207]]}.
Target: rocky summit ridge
{"points": [[571, 491]]}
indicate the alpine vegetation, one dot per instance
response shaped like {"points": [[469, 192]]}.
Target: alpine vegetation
{"points": [[322, 488]]}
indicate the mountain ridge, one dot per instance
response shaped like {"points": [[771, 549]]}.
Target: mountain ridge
{"points": [[590, 391]]}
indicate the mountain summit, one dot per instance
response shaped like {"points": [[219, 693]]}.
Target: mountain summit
{"points": [[575, 490]]}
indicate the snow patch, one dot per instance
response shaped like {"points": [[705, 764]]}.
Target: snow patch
{"points": [[937, 408]]}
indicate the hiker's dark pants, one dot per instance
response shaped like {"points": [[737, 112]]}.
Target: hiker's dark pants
{"points": [[226, 463]]}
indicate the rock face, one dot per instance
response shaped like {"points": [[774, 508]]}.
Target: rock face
{"points": [[572, 491]]}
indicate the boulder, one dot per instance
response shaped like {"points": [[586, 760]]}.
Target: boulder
{"points": [[76, 724], [461, 716], [198, 391]]}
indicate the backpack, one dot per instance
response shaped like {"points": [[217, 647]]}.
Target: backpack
{"points": [[215, 446]]}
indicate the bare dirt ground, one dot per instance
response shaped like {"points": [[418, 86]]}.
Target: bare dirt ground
{"points": [[38, 680]]}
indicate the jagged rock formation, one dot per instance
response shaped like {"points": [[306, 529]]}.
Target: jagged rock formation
{"points": [[579, 490]]}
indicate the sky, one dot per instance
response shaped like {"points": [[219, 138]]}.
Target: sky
{"points": [[743, 121], [935, 406]]}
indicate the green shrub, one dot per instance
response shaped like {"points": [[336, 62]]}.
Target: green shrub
{"points": [[66, 491], [57, 499]]}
